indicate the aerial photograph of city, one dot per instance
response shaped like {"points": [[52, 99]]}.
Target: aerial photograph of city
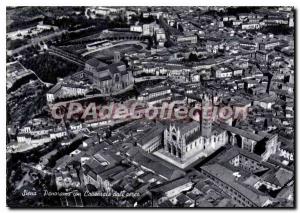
{"points": [[150, 107]]}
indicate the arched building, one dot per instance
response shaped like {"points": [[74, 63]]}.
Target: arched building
{"points": [[108, 78], [187, 142], [184, 140]]}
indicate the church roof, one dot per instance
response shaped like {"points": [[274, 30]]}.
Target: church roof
{"points": [[114, 68], [186, 127], [95, 63], [193, 137], [150, 134], [105, 78], [244, 133], [168, 186]]}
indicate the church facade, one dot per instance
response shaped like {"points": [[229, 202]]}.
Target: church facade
{"points": [[183, 141], [187, 141]]}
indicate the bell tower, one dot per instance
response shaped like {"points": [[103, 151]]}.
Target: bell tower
{"points": [[206, 117], [117, 57]]}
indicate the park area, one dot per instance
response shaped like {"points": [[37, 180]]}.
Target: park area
{"points": [[49, 67]]}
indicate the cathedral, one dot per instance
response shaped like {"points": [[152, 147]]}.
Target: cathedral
{"points": [[183, 141], [108, 78]]}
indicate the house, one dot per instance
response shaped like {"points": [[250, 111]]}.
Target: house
{"points": [[265, 102], [173, 188], [187, 39], [251, 26], [155, 94], [65, 90], [286, 148], [151, 164], [101, 177], [275, 180], [223, 72]]}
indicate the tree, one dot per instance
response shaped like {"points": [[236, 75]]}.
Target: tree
{"points": [[180, 28], [266, 124], [88, 12], [13, 44], [193, 57]]}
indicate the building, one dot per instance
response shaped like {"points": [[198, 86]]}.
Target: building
{"points": [[286, 149], [31, 31], [14, 72], [152, 139], [268, 45], [66, 179], [64, 90], [108, 78], [174, 188], [276, 21], [100, 10], [136, 28], [187, 39], [263, 145], [149, 29], [275, 180], [39, 131], [156, 94], [186, 142], [160, 34], [151, 164], [223, 72], [250, 26], [101, 177], [242, 195]]}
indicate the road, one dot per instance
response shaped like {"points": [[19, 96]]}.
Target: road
{"points": [[66, 55], [35, 41], [149, 78], [45, 83]]}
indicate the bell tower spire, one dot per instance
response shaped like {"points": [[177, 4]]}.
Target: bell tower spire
{"points": [[206, 117]]}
